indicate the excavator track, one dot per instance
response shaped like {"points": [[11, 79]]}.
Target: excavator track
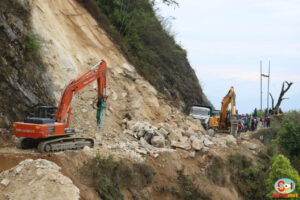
{"points": [[62, 144]]}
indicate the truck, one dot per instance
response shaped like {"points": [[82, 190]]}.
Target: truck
{"points": [[201, 112]]}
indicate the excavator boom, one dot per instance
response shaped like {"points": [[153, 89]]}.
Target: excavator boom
{"points": [[97, 72], [228, 99]]}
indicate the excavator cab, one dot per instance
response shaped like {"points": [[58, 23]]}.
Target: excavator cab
{"points": [[42, 115]]}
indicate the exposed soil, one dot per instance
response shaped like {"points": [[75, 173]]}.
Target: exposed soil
{"points": [[75, 43]]}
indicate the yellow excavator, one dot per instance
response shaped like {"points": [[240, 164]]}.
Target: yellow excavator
{"points": [[225, 121]]}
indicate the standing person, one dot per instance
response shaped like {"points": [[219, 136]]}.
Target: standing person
{"points": [[255, 112], [265, 121], [268, 121], [239, 128], [252, 124], [261, 122], [248, 122]]}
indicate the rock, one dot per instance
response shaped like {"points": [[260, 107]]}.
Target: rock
{"points": [[189, 132], [166, 127], [249, 145], [245, 136], [205, 149], [144, 143], [206, 141], [129, 132], [148, 136], [211, 132], [163, 132], [34, 180], [192, 154], [154, 155], [192, 138], [183, 144], [84, 110], [114, 95], [141, 133], [86, 149], [5, 182], [158, 141], [19, 168], [197, 144], [230, 138], [175, 136], [141, 151]]}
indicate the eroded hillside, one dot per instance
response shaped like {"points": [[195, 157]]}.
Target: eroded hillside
{"points": [[140, 125]]}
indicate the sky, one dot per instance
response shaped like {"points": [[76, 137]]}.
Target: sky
{"points": [[226, 40]]}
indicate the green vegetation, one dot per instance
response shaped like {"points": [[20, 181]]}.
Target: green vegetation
{"points": [[247, 177], [188, 190], [33, 45], [289, 137], [110, 176], [134, 26], [280, 168]]}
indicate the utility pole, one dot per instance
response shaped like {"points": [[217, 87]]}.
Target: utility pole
{"points": [[267, 76], [268, 88], [260, 86]]}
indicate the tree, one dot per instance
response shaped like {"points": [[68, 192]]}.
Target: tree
{"points": [[280, 168], [168, 2], [281, 95], [289, 137]]}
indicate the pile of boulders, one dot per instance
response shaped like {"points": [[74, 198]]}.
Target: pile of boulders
{"points": [[166, 136]]}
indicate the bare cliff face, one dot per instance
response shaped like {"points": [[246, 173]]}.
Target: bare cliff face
{"points": [[23, 80]]}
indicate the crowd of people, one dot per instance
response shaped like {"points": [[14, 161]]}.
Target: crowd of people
{"points": [[251, 122]]}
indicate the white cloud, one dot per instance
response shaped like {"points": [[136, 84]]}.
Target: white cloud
{"points": [[225, 41]]}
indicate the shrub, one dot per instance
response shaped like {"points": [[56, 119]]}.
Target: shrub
{"points": [[110, 176], [246, 176], [289, 137], [188, 190], [33, 44], [280, 168]]}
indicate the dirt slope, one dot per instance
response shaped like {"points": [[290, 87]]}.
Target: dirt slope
{"points": [[74, 43]]}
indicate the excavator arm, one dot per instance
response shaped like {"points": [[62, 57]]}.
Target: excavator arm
{"points": [[228, 99], [97, 72]]}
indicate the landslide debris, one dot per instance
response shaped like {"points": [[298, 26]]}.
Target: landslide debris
{"points": [[139, 33], [36, 179]]}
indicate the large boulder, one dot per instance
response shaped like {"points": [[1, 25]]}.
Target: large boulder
{"points": [[163, 132], [158, 141], [184, 143], [175, 136], [197, 144]]}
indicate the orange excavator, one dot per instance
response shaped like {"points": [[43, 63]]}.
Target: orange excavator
{"points": [[49, 129]]}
